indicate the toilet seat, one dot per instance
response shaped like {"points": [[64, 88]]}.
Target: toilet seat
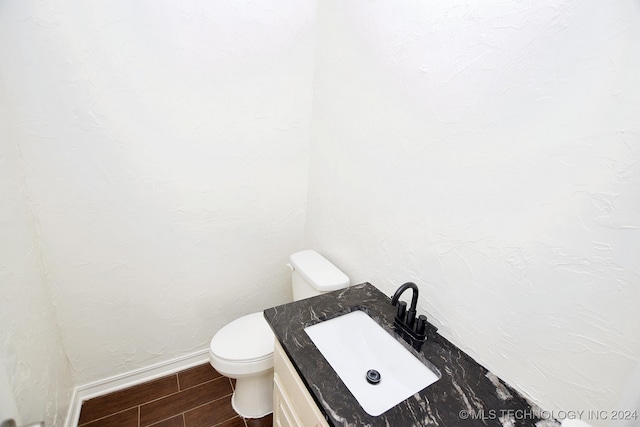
{"points": [[243, 347]]}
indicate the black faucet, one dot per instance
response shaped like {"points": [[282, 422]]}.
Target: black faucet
{"points": [[413, 330]]}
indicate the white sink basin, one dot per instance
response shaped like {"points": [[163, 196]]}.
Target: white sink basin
{"points": [[353, 344]]}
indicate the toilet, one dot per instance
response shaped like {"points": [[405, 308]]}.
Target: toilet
{"points": [[243, 349]]}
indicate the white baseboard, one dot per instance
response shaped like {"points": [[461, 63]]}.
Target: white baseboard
{"points": [[128, 379]]}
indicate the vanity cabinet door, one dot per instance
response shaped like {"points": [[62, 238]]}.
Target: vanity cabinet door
{"points": [[293, 406]]}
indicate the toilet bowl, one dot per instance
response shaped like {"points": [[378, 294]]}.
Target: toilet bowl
{"points": [[243, 349]]}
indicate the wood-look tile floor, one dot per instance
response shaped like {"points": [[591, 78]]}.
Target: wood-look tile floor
{"points": [[196, 397]]}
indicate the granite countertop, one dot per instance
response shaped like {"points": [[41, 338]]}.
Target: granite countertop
{"points": [[464, 386]]}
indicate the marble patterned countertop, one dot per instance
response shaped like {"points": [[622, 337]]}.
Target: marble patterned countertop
{"points": [[466, 394]]}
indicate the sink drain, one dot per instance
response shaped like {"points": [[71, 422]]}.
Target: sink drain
{"points": [[373, 376]]}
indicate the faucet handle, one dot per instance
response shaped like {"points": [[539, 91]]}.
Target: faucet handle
{"points": [[421, 325], [402, 311]]}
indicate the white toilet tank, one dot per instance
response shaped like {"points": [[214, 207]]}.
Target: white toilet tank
{"points": [[312, 274]]}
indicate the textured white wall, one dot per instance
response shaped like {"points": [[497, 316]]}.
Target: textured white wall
{"points": [[165, 150], [35, 376], [490, 152]]}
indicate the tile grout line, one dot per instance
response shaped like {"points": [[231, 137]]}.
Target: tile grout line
{"points": [[205, 404], [244, 421], [183, 413], [180, 389], [200, 383], [135, 406], [164, 419], [107, 416], [188, 388]]}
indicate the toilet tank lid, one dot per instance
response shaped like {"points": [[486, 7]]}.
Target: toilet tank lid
{"points": [[318, 271]]}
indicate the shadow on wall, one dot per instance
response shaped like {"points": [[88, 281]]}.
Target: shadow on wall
{"points": [[8, 409]]}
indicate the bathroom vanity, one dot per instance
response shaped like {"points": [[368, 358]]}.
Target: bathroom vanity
{"points": [[292, 404], [309, 392]]}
